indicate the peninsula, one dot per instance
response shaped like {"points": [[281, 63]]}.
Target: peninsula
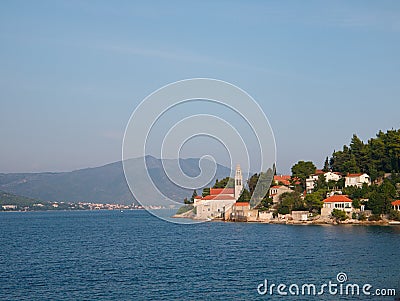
{"points": [[358, 185]]}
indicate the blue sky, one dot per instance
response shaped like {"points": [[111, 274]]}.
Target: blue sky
{"points": [[72, 72]]}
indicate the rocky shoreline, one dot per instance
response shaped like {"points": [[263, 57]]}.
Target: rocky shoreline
{"points": [[316, 221]]}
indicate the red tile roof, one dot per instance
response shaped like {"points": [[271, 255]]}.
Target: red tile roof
{"points": [[215, 191], [338, 199], [219, 197], [319, 172], [197, 197], [242, 204], [354, 175], [275, 187], [283, 179], [396, 203]]}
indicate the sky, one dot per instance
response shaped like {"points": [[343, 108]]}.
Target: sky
{"points": [[72, 72]]}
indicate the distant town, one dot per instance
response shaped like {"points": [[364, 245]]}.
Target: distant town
{"points": [[45, 206]]}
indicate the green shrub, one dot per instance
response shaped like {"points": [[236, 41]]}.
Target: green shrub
{"points": [[362, 217], [184, 209], [394, 215], [339, 215], [374, 218]]}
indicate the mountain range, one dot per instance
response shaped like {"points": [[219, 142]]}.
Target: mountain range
{"points": [[104, 184]]}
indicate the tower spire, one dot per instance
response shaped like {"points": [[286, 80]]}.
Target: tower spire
{"points": [[238, 181]]}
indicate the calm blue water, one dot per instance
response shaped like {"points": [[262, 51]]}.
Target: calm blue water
{"points": [[110, 255]]}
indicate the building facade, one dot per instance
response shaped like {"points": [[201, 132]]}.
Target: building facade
{"points": [[357, 179], [276, 191], [396, 205], [329, 176], [340, 202], [220, 201]]}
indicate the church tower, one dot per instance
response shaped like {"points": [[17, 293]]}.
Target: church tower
{"points": [[238, 182]]}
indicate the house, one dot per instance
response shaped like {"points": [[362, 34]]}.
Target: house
{"points": [[9, 207], [357, 179], [196, 200], [329, 176], [332, 176], [310, 183], [240, 211], [276, 191], [396, 205], [214, 206], [340, 202], [218, 203], [282, 180]]}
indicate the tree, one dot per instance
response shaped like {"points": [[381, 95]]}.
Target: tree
{"points": [[224, 183], [245, 196], [356, 203], [376, 203], [290, 201], [357, 149], [389, 193], [314, 201], [265, 204], [186, 201], [193, 196], [378, 156], [326, 165], [302, 170], [206, 191]]}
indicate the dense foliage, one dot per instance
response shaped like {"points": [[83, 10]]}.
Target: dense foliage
{"points": [[302, 170], [378, 156], [339, 215], [224, 183]]}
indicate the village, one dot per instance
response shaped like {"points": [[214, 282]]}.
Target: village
{"points": [[227, 204]]}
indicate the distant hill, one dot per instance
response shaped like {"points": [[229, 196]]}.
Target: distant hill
{"points": [[100, 184], [7, 198]]}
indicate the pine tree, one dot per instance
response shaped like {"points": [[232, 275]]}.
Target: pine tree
{"points": [[326, 165], [193, 196]]}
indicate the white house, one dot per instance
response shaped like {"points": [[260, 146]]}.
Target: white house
{"points": [[332, 176], [9, 207], [329, 176], [340, 202], [357, 179], [276, 191], [220, 200], [214, 206], [396, 205]]}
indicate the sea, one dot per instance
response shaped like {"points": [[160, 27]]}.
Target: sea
{"points": [[132, 255]]}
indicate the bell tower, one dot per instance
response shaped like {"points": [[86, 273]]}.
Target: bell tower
{"points": [[238, 182]]}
